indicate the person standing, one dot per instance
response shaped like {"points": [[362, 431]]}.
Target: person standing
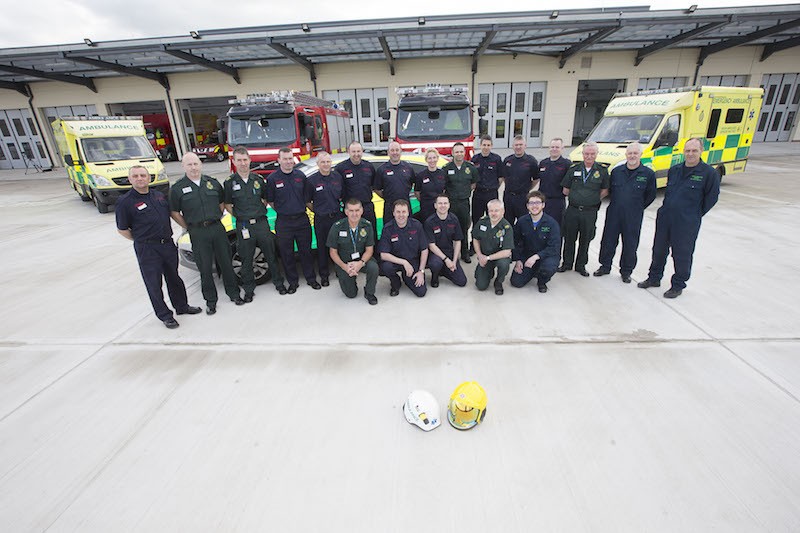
{"points": [[490, 166], [143, 217], [692, 190], [326, 203], [359, 179], [586, 184], [393, 180], [537, 245], [551, 173], [404, 250], [288, 191], [428, 184], [493, 240], [245, 199], [521, 173], [196, 204], [444, 234], [351, 243], [633, 188], [461, 177]]}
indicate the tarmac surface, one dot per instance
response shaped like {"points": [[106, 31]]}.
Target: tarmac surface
{"points": [[610, 408]]}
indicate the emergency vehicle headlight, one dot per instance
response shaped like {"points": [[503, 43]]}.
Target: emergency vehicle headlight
{"points": [[160, 176], [101, 181]]}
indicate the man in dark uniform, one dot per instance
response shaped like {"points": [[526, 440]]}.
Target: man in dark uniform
{"points": [[461, 176], [633, 188], [351, 244], [404, 250], [196, 202], [521, 172], [393, 180], [490, 166], [359, 179], [444, 234], [326, 203], [288, 191], [551, 173], [493, 240], [143, 217], [586, 184], [245, 197], [428, 184], [692, 190], [537, 245]]}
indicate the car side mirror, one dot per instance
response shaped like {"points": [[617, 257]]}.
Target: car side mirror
{"points": [[68, 160], [222, 136], [481, 111], [386, 115]]}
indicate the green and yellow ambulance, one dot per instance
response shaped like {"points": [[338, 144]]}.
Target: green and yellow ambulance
{"points": [[98, 152], [663, 120]]}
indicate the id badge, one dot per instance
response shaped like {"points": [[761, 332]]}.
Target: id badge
{"points": [[355, 255], [245, 233]]}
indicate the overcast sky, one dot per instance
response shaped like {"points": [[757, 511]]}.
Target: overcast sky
{"points": [[48, 22]]}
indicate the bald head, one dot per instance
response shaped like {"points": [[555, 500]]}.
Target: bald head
{"points": [[192, 166]]}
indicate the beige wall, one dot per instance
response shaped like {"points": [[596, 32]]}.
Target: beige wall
{"points": [[561, 93]]}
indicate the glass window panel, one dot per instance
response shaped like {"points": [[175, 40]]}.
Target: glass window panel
{"points": [[32, 126], [27, 150], [536, 124], [501, 102], [734, 116], [763, 122], [366, 112], [485, 101], [796, 99], [42, 153], [771, 94], [785, 93], [500, 129], [19, 127], [536, 102], [518, 126], [348, 106], [519, 102], [12, 150], [4, 128], [366, 129], [384, 132], [2, 155], [789, 120], [776, 122], [382, 105], [483, 127]]}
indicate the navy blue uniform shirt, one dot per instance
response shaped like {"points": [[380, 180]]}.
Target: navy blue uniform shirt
{"points": [[490, 170], [543, 238], [691, 191], [358, 180], [632, 190], [520, 173], [326, 192], [395, 180], [551, 173], [429, 184], [406, 243], [443, 233], [146, 215], [288, 193]]}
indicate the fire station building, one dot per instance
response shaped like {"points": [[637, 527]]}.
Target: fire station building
{"points": [[541, 74]]}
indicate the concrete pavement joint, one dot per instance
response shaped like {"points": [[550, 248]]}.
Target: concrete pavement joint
{"points": [[760, 372]]}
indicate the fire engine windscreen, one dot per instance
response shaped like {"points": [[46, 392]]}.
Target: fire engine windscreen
{"points": [[625, 129], [116, 148], [433, 122], [262, 130]]}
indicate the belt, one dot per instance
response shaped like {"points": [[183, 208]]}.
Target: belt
{"points": [[585, 207], [158, 241], [256, 220], [203, 224]]}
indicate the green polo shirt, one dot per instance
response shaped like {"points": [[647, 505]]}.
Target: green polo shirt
{"points": [[459, 180], [341, 238], [246, 197], [493, 239], [585, 193], [196, 204]]}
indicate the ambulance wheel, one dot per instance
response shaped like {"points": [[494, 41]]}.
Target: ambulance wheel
{"points": [[721, 172], [261, 271], [84, 194], [221, 156], [101, 207]]}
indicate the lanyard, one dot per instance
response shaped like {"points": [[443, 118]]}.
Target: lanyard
{"points": [[353, 233], [586, 174]]}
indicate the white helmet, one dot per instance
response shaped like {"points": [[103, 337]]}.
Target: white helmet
{"points": [[422, 409]]}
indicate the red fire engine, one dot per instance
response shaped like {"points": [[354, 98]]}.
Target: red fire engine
{"points": [[266, 122], [159, 134], [433, 117]]}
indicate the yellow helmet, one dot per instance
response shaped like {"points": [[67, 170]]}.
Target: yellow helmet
{"points": [[467, 406]]}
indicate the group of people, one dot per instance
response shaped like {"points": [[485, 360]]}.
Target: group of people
{"points": [[522, 233]]}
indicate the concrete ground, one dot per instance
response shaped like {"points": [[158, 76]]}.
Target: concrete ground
{"points": [[610, 408]]}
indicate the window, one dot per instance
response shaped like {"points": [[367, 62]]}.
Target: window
{"points": [[31, 126], [366, 129], [27, 150], [670, 132], [734, 116], [771, 94], [12, 150], [382, 105], [483, 127], [789, 120], [713, 123], [535, 127], [785, 93], [776, 122], [319, 131], [4, 128], [485, 101], [42, 153], [518, 126], [519, 102], [348, 106], [763, 122], [796, 99], [501, 102], [365, 109], [19, 127], [536, 102], [500, 129]]}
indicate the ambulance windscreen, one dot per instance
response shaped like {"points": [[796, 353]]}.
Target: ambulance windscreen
{"points": [[625, 129]]}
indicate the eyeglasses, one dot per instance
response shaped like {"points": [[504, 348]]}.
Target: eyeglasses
{"points": [[535, 202]]}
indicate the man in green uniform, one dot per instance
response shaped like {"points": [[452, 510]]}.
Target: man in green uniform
{"points": [[352, 243], [461, 178], [493, 241], [196, 204], [586, 184], [245, 195]]}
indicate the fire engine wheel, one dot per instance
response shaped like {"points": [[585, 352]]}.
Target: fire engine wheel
{"points": [[261, 271], [221, 156]]}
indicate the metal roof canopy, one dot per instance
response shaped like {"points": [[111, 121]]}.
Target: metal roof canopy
{"points": [[560, 34]]}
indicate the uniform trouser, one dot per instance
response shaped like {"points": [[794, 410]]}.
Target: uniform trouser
{"points": [[555, 208], [348, 283], [457, 276], [291, 228], [369, 214], [483, 275], [210, 244], [481, 197], [542, 270], [515, 205], [157, 261], [681, 238], [263, 238], [578, 225], [629, 226], [460, 208], [322, 226], [390, 270]]}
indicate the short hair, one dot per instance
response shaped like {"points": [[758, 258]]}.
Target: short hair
{"points": [[321, 153], [393, 142], [458, 144], [353, 201], [284, 150], [519, 138], [241, 150], [559, 139], [431, 151], [130, 170], [634, 144], [354, 143], [537, 194], [699, 140], [495, 202], [590, 144], [442, 194], [401, 202], [486, 138]]}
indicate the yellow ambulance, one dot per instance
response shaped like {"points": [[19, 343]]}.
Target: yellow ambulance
{"points": [[98, 152], [663, 120]]}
